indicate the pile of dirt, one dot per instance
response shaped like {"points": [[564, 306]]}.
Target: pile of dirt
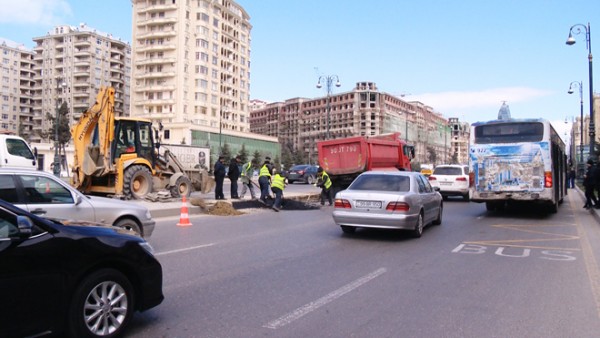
{"points": [[221, 208]]}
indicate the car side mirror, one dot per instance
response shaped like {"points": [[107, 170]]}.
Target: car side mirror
{"points": [[25, 226], [436, 188], [78, 200]]}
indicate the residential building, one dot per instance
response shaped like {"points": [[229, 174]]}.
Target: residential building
{"points": [[17, 79], [299, 123], [191, 73], [71, 64], [459, 142]]}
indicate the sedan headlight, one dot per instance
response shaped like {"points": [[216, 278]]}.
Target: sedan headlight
{"points": [[146, 246]]}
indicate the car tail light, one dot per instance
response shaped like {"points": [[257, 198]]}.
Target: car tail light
{"points": [[548, 179], [461, 179], [397, 206], [432, 178], [342, 204]]}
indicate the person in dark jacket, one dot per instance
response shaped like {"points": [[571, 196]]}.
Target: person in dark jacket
{"points": [[589, 184], [219, 173], [572, 176], [234, 175]]}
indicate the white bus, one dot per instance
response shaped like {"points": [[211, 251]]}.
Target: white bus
{"points": [[517, 161]]}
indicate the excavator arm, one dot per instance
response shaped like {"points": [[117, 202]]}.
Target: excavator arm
{"points": [[93, 153]]}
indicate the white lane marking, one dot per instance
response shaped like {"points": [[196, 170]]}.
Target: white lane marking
{"points": [[184, 249], [301, 311]]}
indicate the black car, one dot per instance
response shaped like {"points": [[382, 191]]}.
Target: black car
{"points": [[305, 173], [72, 280]]}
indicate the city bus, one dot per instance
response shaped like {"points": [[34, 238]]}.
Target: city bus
{"points": [[517, 161]]}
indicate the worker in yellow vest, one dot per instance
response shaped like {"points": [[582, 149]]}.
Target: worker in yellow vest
{"points": [[264, 179], [324, 182], [278, 183]]}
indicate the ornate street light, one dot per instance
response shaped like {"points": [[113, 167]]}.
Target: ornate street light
{"points": [[57, 163], [580, 85], [328, 83], [577, 29]]}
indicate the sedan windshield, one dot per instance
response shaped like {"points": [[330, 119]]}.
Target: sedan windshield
{"points": [[381, 183]]}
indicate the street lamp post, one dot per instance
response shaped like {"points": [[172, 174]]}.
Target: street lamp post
{"points": [[577, 29], [580, 85], [57, 164], [328, 83]]}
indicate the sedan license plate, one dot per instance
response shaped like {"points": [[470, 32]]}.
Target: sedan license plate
{"points": [[368, 204]]}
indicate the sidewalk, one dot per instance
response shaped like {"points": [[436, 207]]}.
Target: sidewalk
{"points": [[594, 212]]}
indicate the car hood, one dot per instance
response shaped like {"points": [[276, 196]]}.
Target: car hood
{"points": [[104, 202]]}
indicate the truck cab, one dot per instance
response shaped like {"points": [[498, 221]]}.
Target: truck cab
{"points": [[15, 152]]}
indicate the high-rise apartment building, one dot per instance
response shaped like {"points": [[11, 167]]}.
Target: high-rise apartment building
{"points": [[17, 80], [71, 64], [191, 69], [299, 123]]}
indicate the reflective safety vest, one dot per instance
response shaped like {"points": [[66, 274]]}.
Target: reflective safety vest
{"points": [[278, 182], [326, 180], [247, 169], [264, 171]]}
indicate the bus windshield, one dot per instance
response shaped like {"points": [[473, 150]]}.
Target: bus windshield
{"points": [[509, 132]]}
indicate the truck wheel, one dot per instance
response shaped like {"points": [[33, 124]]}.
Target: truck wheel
{"points": [[102, 305], [182, 187], [137, 182]]}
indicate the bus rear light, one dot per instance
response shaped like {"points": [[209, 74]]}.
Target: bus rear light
{"points": [[471, 179], [547, 179], [342, 204]]}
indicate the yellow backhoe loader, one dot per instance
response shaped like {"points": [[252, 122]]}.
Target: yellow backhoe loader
{"points": [[119, 156]]}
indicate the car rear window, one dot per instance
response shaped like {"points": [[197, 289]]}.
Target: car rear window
{"points": [[447, 171], [381, 183]]}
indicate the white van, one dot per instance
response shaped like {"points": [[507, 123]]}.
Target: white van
{"points": [[15, 152]]}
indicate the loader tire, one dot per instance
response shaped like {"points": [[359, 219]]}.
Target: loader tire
{"points": [[182, 187], [137, 182]]}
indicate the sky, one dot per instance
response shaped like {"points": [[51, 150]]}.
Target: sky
{"points": [[463, 58]]}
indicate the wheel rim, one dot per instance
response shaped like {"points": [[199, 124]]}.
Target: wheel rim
{"points": [[140, 185], [105, 308], [420, 225]]}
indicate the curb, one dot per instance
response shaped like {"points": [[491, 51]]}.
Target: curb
{"points": [[594, 212]]}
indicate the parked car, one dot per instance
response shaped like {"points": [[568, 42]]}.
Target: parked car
{"points": [[452, 179], [46, 195], [305, 173], [72, 279], [388, 200]]}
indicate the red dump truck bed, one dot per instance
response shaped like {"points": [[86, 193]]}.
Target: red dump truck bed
{"points": [[354, 155]]}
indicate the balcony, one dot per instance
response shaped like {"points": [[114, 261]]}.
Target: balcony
{"points": [[154, 75], [157, 21], [155, 61], [157, 48]]}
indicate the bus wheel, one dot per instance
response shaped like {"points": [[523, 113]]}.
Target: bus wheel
{"points": [[490, 206], [553, 208]]}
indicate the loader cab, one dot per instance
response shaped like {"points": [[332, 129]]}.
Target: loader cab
{"points": [[133, 136]]}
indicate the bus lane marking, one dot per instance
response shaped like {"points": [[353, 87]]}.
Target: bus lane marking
{"points": [[552, 237], [306, 309]]}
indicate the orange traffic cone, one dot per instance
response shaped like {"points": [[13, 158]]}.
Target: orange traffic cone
{"points": [[47, 187], [184, 219]]}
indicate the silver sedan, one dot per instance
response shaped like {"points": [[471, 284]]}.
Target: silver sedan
{"points": [[48, 196], [388, 200]]}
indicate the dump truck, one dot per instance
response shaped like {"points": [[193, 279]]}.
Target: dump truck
{"points": [[346, 158], [121, 156]]}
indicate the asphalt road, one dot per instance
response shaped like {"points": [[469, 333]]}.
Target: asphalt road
{"points": [[294, 274]]}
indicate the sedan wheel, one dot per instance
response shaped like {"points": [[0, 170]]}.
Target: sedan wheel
{"points": [[102, 305], [130, 225], [438, 220], [418, 232], [310, 180]]}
